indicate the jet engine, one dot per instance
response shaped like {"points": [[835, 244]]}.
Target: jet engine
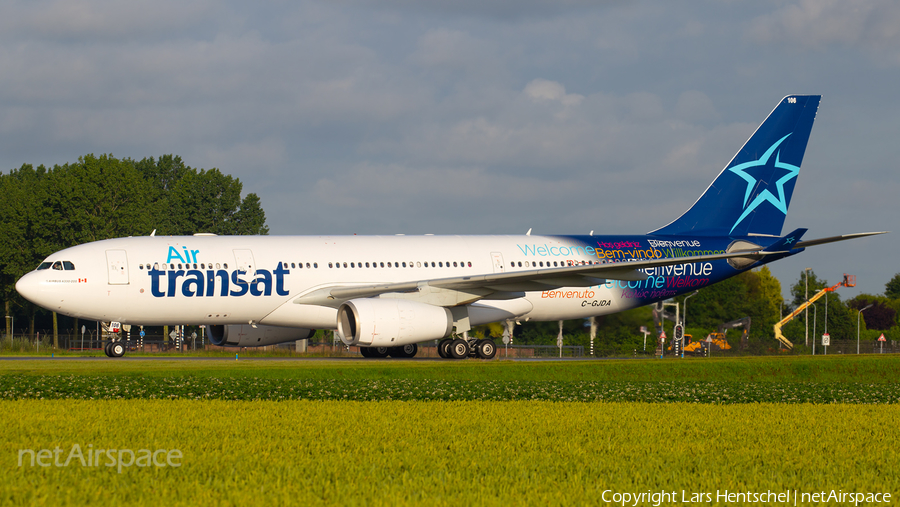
{"points": [[245, 335], [391, 322]]}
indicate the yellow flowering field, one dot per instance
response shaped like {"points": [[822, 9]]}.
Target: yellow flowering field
{"points": [[183, 452]]}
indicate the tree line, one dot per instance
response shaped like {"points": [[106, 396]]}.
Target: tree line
{"points": [[46, 209]]}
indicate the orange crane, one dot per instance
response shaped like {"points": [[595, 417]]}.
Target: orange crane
{"points": [[848, 281]]}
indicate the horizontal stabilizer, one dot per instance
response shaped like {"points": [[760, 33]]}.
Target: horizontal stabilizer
{"points": [[833, 239]]}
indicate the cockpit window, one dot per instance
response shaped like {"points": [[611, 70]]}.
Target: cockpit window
{"points": [[57, 266], [44, 265], [68, 266]]}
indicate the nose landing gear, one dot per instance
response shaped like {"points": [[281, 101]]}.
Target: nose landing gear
{"points": [[115, 349]]}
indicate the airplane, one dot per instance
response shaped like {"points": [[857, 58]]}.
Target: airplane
{"points": [[387, 294]]}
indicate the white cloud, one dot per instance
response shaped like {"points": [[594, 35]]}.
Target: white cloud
{"points": [[490, 9], [816, 23], [545, 130], [542, 89], [91, 20], [459, 116]]}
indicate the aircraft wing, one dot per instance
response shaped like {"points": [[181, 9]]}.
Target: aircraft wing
{"points": [[513, 284], [510, 284]]}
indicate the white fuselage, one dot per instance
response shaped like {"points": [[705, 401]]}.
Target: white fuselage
{"points": [[257, 279]]}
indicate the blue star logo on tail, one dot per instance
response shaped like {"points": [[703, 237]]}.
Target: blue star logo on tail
{"points": [[742, 170]]}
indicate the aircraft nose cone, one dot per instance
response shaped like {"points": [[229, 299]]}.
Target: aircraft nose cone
{"points": [[27, 286]]}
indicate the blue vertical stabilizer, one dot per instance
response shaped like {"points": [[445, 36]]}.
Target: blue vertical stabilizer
{"points": [[752, 194]]}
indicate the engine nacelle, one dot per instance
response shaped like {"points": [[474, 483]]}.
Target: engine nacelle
{"points": [[245, 335], [391, 322]]}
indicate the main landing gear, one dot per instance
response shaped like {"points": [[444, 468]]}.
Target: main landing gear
{"points": [[448, 348], [403, 351], [458, 348]]}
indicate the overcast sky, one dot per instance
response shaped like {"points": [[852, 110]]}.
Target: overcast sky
{"points": [[472, 116]]}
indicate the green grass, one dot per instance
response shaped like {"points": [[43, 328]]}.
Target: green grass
{"points": [[460, 453], [276, 431], [89, 387], [861, 369]]}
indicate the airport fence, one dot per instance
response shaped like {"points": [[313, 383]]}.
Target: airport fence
{"points": [[157, 343]]}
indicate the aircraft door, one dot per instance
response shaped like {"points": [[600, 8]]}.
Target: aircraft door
{"points": [[497, 258], [117, 262], [244, 262]]}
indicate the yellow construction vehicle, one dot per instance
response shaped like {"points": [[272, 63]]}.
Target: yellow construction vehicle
{"points": [[718, 341], [848, 281]]}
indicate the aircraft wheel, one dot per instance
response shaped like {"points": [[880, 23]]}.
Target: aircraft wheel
{"points": [[365, 352], [444, 348], [379, 351], [459, 349], [117, 349], [486, 349], [106, 349], [404, 351], [409, 350]]}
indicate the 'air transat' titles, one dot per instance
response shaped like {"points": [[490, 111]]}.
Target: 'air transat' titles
{"points": [[217, 282]]}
